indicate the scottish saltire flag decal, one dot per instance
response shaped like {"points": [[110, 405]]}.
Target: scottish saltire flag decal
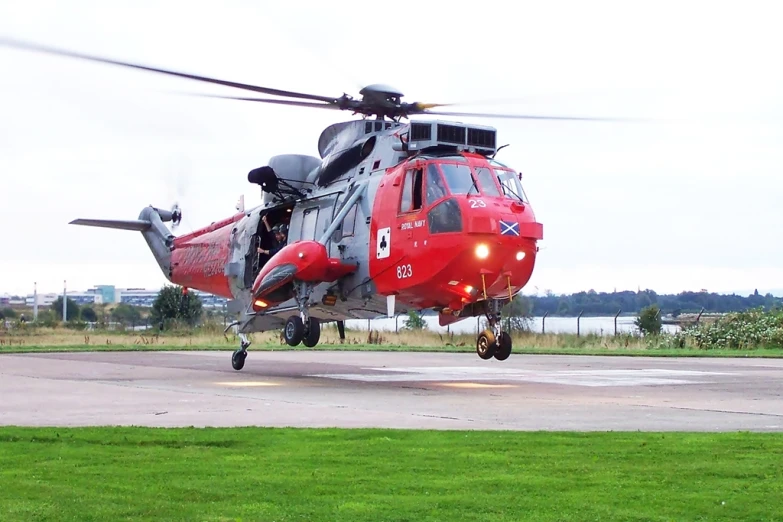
{"points": [[509, 228]]}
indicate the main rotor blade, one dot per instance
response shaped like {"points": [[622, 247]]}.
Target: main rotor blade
{"points": [[528, 116], [269, 100], [62, 52]]}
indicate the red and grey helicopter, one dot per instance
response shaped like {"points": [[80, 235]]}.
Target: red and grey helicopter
{"points": [[392, 216]]}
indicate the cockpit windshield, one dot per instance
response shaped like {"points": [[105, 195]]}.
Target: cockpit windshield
{"points": [[458, 177], [498, 180], [488, 186]]}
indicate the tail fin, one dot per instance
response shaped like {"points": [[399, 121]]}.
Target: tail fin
{"points": [[131, 224], [150, 223]]}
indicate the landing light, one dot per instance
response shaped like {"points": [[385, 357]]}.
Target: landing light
{"points": [[468, 289], [520, 256], [482, 252]]}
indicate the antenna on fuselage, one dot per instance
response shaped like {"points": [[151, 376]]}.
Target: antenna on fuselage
{"points": [[498, 149]]}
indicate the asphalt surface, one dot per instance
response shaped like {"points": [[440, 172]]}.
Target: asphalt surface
{"points": [[393, 390]]}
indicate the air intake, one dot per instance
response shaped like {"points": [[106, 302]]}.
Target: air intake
{"points": [[449, 135]]}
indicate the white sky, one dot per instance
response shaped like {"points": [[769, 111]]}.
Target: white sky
{"points": [[676, 206]]}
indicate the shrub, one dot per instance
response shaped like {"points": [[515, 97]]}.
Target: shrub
{"points": [[649, 320], [741, 330]]}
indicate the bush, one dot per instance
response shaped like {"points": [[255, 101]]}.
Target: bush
{"points": [[741, 330], [414, 321], [649, 320]]}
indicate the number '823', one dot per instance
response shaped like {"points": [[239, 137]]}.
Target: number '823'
{"points": [[404, 271]]}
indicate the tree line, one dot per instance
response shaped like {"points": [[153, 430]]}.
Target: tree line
{"points": [[592, 303], [173, 306]]}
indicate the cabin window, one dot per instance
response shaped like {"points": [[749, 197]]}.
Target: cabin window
{"points": [[458, 178], [412, 191], [349, 222]]}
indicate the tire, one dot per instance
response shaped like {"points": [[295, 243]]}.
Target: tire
{"points": [[486, 345], [294, 330], [503, 347], [313, 334], [238, 359]]}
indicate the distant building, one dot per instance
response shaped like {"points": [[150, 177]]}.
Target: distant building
{"points": [[108, 293], [43, 299], [138, 296], [84, 298], [146, 298]]}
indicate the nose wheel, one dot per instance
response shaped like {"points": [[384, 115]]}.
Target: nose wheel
{"points": [[493, 342], [486, 344], [489, 346]]}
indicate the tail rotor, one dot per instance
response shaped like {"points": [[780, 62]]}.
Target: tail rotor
{"points": [[176, 216]]}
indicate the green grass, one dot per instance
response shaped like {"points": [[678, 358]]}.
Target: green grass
{"points": [[113, 474], [518, 349]]}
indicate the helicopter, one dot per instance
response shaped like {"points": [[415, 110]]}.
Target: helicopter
{"points": [[392, 216]]}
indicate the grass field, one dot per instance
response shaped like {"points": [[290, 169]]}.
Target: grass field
{"points": [[43, 339], [377, 475]]}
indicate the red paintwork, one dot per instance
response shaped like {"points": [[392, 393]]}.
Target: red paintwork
{"points": [[421, 266], [311, 261], [199, 258]]}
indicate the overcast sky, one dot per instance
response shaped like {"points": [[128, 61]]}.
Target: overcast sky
{"points": [[678, 206]]}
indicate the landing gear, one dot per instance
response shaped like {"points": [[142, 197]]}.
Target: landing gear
{"points": [[239, 356], [486, 345], [294, 330], [503, 348], [493, 342], [312, 332], [307, 332]]}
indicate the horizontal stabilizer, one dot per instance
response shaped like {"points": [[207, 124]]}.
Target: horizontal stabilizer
{"points": [[121, 224]]}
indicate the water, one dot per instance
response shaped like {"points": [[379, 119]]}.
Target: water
{"points": [[597, 325]]}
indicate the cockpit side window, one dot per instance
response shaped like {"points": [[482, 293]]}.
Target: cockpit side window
{"points": [[512, 188], [406, 201], [412, 193], [458, 177], [418, 182], [436, 188]]}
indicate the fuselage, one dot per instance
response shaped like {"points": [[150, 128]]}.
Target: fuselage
{"points": [[438, 230]]}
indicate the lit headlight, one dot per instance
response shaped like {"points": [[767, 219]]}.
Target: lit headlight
{"points": [[520, 256], [482, 251]]}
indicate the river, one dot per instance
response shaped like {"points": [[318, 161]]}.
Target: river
{"points": [[598, 325]]}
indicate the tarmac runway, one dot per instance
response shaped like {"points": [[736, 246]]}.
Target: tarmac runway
{"points": [[391, 390]]}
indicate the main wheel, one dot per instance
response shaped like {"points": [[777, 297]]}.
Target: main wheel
{"points": [[313, 332], [503, 347], [238, 359], [294, 330], [486, 345]]}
